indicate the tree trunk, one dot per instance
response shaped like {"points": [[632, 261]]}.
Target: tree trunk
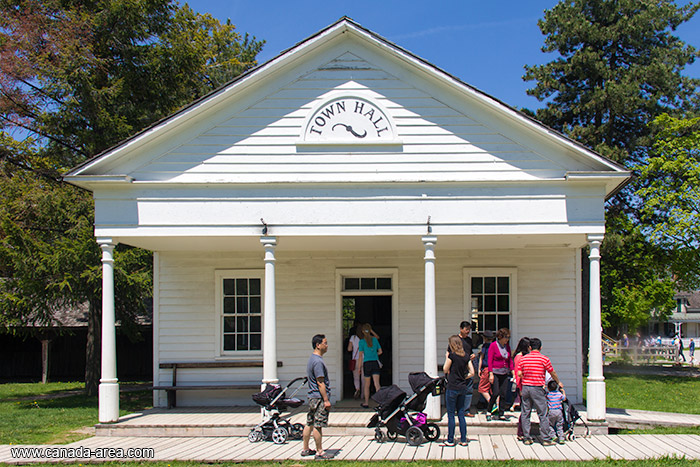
{"points": [[45, 345], [93, 350]]}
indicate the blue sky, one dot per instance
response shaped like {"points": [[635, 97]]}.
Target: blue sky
{"points": [[485, 44]]}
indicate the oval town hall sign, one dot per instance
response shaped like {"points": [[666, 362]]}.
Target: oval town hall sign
{"points": [[349, 120]]}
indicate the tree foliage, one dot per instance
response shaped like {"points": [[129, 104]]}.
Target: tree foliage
{"points": [[77, 77], [619, 66], [668, 193]]}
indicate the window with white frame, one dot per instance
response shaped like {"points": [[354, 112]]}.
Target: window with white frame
{"points": [[490, 299], [241, 312]]}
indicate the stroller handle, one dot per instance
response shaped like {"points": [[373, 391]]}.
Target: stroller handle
{"points": [[304, 378]]}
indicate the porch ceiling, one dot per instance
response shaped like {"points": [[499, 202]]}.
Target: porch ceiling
{"points": [[355, 243]]}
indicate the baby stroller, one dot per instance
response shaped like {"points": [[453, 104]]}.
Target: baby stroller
{"points": [[570, 417], [401, 415], [275, 400]]}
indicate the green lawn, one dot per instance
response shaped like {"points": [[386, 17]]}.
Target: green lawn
{"points": [[652, 392], [28, 418]]}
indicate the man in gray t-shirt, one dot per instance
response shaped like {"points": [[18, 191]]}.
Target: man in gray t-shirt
{"points": [[319, 398]]}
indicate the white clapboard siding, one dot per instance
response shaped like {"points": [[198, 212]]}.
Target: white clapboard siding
{"points": [[436, 142], [306, 305]]}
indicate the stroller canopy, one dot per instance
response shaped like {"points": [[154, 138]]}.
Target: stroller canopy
{"points": [[418, 380]]}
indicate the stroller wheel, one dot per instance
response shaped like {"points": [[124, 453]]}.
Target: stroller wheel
{"points": [[379, 436], [572, 437], [432, 432], [279, 435], [414, 436], [254, 436], [392, 435], [297, 431]]}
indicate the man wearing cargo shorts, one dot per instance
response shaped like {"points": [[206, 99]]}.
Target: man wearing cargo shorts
{"points": [[319, 398]]}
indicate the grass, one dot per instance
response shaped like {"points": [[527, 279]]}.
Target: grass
{"points": [[679, 394], [662, 462], [38, 413]]}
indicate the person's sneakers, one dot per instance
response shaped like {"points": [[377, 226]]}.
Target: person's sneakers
{"points": [[470, 415], [561, 441], [528, 441], [488, 417], [548, 442]]}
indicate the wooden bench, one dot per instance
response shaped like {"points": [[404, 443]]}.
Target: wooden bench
{"points": [[171, 390]]}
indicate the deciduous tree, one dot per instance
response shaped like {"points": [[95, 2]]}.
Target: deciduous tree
{"points": [[77, 77]]}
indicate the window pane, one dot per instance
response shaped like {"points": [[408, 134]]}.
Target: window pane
{"points": [[242, 342], [241, 286], [255, 305], [477, 284], [229, 325], [503, 284], [241, 305], [254, 285], [229, 287], [490, 303], [384, 283], [368, 283], [490, 284], [479, 302], [503, 321], [352, 283], [480, 322], [255, 324], [490, 322], [229, 305], [230, 342], [255, 342], [503, 301], [242, 324]]}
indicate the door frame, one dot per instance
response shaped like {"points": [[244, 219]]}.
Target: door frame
{"points": [[394, 293]]}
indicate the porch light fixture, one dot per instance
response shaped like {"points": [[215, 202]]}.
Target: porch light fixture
{"points": [[430, 227], [264, 230]]}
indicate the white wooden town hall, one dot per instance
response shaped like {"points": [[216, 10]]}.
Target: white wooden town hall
{"points": [[347, 172]]}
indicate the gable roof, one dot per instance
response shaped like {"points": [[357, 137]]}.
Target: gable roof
{"points": [[89, 171]]}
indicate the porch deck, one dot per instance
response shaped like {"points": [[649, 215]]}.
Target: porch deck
{"points": [[346, 419]]}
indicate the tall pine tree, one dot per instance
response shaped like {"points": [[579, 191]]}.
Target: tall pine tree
{"points": [[619, 66]]}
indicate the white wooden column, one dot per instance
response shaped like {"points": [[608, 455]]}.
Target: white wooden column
{"points": [[595, 387], [432, 407], [109, 385], [269, 313]]}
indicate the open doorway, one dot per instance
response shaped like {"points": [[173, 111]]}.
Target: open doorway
{"points": [[375, 310]]}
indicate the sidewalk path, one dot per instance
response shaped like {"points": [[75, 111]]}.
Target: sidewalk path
{"points": [[363, 448]]}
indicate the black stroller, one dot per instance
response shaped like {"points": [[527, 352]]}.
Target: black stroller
{"points": [[401, 415], [275, 400], [570, 417]]}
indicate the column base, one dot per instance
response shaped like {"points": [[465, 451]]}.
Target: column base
{"points": [[595, 400], [108, 402], [432, 407]]}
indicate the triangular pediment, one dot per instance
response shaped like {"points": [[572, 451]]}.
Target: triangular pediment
{"points": [[345, 106]]}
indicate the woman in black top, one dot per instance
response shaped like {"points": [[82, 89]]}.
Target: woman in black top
{"points": [[460, 371]]}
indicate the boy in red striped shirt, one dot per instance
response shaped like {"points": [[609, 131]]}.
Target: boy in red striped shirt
{"points": [[532, 369]]}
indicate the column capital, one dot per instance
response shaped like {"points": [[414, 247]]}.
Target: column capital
{"points": [[429, 239], [106, 242], [595, 238], [269, 241]]}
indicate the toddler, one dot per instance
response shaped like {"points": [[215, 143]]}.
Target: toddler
{"points": [[555, 397]]}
